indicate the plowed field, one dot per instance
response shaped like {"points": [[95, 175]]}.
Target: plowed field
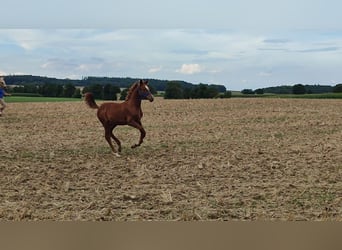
{"points": [[227, 159]]}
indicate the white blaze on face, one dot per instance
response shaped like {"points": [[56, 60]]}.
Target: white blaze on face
{"points": [[147, 87]]}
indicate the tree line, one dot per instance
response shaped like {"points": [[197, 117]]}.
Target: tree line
{"points": [[121, 82], [108, 91], [174, 90], [107, 88], [105, 92], [47, 90], [296, 89]]}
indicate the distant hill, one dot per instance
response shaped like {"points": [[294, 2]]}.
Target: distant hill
{"points": [[122, 82]]}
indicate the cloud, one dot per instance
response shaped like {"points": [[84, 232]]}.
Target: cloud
{"points": [[215, 71], [155, 69], [190, 69], [276, 41], [88, 67], [326, 49], [58, 64], [3, 73], [265, 74], [194, 55]]}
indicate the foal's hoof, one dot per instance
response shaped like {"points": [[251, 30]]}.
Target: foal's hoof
{"points": [[117, 154], [135, 145]]}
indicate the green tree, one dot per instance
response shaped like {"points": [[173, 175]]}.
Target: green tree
{"points": [[152, 89], [51, 90], [68, 90], [77, 93], [227, 94], [338, 88], [259, 91], [247, 92], [298, 89], [123, 94], [110, 92], [200, 91], [203, 91], [96, 89], [173, 90], [187, 93], [211, 92]]}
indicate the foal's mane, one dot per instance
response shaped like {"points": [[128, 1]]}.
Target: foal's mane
{"points": [[131, 90]]}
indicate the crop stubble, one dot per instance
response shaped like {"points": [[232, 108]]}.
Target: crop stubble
{"points": [[222, 159]]}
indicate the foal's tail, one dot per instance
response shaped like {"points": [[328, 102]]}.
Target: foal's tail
{"points": [[90, 101]]}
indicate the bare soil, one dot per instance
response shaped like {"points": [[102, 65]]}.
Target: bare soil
{"points": [[228, 159]]}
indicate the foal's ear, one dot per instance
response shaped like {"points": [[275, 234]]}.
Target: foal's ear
{"points": [[143, 82]]}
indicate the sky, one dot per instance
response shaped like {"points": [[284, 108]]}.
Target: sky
{"points": [[239, 44]]}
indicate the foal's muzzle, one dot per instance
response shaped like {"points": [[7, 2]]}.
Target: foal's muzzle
{"points": [[150, 98]]}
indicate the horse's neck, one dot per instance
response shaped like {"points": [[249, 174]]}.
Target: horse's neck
{"points": [[134, 100]]}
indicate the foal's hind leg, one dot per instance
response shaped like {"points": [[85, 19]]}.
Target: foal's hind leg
{"points": [[116, 140], [139, 126], [108, 136]]}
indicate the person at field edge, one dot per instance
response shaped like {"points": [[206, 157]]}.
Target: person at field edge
{"points": [[2, 94]]}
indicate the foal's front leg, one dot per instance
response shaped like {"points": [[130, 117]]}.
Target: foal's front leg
{"points": [[139, 126]]}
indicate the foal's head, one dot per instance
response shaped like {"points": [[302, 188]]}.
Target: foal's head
{"points": [[144, 91]]}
